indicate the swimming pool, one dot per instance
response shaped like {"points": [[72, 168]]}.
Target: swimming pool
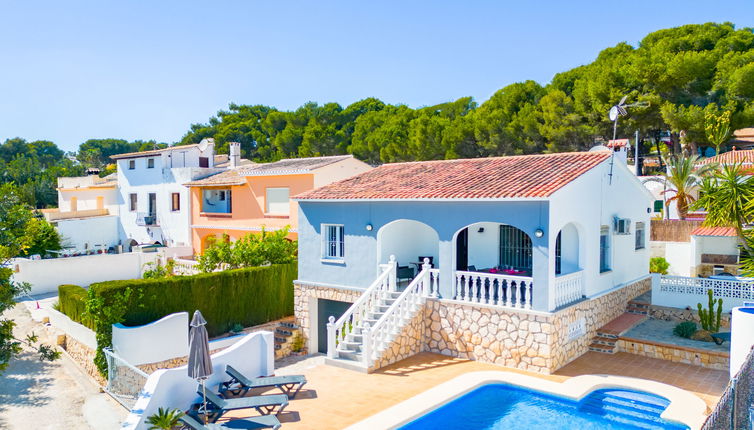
{"points": [[500, 406]]}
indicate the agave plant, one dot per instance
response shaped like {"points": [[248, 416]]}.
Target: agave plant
{"points": [[682, 178], [164, 419]]}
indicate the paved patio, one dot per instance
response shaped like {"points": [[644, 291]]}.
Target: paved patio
{"points": [[662, 332], [335, 398]]}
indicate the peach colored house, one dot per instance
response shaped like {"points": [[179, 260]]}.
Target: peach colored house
{"points": [[240, 201]]}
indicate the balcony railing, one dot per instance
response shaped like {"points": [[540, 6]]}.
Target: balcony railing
{"points": [[569, 288], [494, 289], [146, 219]]}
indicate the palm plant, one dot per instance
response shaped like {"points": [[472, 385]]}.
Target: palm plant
{"points": [[164, 419], [681, 179], [728, 197]]}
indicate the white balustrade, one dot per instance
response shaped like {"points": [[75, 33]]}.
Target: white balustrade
{"points": [[369, 300], [569, 288], [377, 338], [493, 289]]}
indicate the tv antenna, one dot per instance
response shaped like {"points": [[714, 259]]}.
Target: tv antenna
{"points": [[616, 112]]}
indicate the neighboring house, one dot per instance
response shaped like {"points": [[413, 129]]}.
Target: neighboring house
{"points": [[247, 198], [742, 157], [87, 213], [743, 138], [550, 239], [154, 203], [714, 250]]}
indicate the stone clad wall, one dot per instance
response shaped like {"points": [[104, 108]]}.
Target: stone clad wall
{"points": [[674, 314], [676, 354], [301, 295], [411, 341], [596, 313]]}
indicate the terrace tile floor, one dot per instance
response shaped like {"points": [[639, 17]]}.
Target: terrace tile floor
{"points": [[335, 398]]}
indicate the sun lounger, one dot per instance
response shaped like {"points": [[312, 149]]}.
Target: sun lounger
{"points": [[240, 384], [265, 405], [251, 423]]}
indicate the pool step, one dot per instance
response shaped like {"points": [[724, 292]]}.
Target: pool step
{"points": [[632, 408]]}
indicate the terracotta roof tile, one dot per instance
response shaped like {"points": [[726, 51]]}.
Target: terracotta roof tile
{"points": [[228, 177], [524, 176], [731, 157], [714, 231], [292, 165]]}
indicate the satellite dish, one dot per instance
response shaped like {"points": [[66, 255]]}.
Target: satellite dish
{"points": [[203, 145], [613, 114]]}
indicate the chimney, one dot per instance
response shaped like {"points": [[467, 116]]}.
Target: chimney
{"points": [[235, 154]]}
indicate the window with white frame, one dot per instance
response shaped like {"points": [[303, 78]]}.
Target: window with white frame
{"points": [[604, 248], [278, 201], [640, 236], [333, 243], [131, 164], [150, 163]]}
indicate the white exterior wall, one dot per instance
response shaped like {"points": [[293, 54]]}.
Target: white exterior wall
{"points": [[680, 255], [86, 199], [157, 341], [173, 228], [46, 275], [172, 388], [722, 245], [484, 247], [424, 241], [656, 188], [89, 233], [338, 171], [591, 201], [73, 329]]}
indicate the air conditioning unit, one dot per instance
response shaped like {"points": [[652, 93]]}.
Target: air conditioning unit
{"points": [[622, 225]]}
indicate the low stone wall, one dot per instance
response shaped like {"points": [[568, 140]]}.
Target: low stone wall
{"points": [[674, 353], [411, 341], [302, 293], [84, 357], [675, 314]]}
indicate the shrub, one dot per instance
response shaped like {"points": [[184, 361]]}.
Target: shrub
{"points": [[708, 317], [685, 329], [266, 247], [247, 297], [165, 419], [659, 265], [72, 303]]}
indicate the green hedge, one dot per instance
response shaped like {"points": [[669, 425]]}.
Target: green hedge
{"points": [[72, 301], [247, 296]]}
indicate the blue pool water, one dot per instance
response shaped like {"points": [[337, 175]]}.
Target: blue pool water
{"points": [[502, 406]]}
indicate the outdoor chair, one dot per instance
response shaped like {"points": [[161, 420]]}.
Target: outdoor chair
{"points": [[251, 423], [239, 384], [404, 272], [265, 405]]}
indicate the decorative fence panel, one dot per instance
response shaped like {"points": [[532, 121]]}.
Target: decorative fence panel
{"points": [[682, 291], [124, 381], [569, 288], [734, 408], [673, 230]]}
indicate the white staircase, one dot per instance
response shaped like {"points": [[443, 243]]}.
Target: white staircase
{"points": [[368, 327]]}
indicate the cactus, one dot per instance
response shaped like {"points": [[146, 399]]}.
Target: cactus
{"points": [[710, 319]]}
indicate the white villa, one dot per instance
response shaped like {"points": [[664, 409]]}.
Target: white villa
{"points": [[154, 203], [512, 260]]}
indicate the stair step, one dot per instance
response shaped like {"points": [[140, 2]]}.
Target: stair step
{"points": [[349, 355], [282, 332], [607, 349], [609, 341], [281, 339], [288, 325], [607, 335]]}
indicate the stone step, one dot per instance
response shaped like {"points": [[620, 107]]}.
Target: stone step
{"points": [[281, 339], [606, 349], [349, 355], [347, 345], [283, 332], [346, 364], [620, 325], [604, 340], [288, 325]]}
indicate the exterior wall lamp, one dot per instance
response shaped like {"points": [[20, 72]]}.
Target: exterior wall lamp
{"points": [[539, 233], [369, 227]]}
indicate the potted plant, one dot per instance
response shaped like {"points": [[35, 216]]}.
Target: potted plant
{"points": [[164, 419]]}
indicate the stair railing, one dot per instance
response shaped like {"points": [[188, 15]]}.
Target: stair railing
{"points": [[377, 338], [378, 290]]}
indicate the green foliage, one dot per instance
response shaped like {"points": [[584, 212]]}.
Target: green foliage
{"points": [[248, 297], [659, 265], [297, 344], [717, 127], [72, 302], [267, 247], [685, 329], [164, 419], [710, 319], [236, 328], [681, 180], [157, 271]]}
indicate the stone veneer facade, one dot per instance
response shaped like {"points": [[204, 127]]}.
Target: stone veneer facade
{"points": [[677, 354], [302, 293], [527, 340], [674, 314]]}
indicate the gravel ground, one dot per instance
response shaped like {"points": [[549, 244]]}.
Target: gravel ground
{"points": [[51, 395]]}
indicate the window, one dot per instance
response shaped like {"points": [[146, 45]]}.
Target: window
{"points": [[639, 235], [278, 202], [658, 206], [558, 255], [175, 202], [604, 249], [216, 201], [150, 163], [203, 161], [133, 202], [131, 164], [515, 248], [74, 204], [333, 245]]}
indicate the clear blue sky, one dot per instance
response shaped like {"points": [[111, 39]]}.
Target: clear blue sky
{"points": [[73, 70]]}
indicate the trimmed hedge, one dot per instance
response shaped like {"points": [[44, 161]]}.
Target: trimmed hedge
{"points": [[248, 296], [72, 301]]}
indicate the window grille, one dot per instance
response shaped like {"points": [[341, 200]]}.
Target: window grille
{"points": [[515, 248]]}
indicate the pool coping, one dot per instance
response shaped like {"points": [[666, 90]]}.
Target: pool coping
{"points": [[684, 408]]}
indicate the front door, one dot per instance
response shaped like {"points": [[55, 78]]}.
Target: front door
{"points": [[462, 250], [152, 204], [325, 308]]}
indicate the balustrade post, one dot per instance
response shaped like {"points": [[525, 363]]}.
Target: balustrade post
{"points": [[366, 335], [393, 273], [527, 293], [331, 353], [500, 287], [425, 285], [434, 281], [466, 287]]}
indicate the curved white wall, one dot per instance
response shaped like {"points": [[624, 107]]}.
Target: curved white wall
{"points": [[160, 340], [569, 249], [407, 240], [172, 388], [741, 339]]}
